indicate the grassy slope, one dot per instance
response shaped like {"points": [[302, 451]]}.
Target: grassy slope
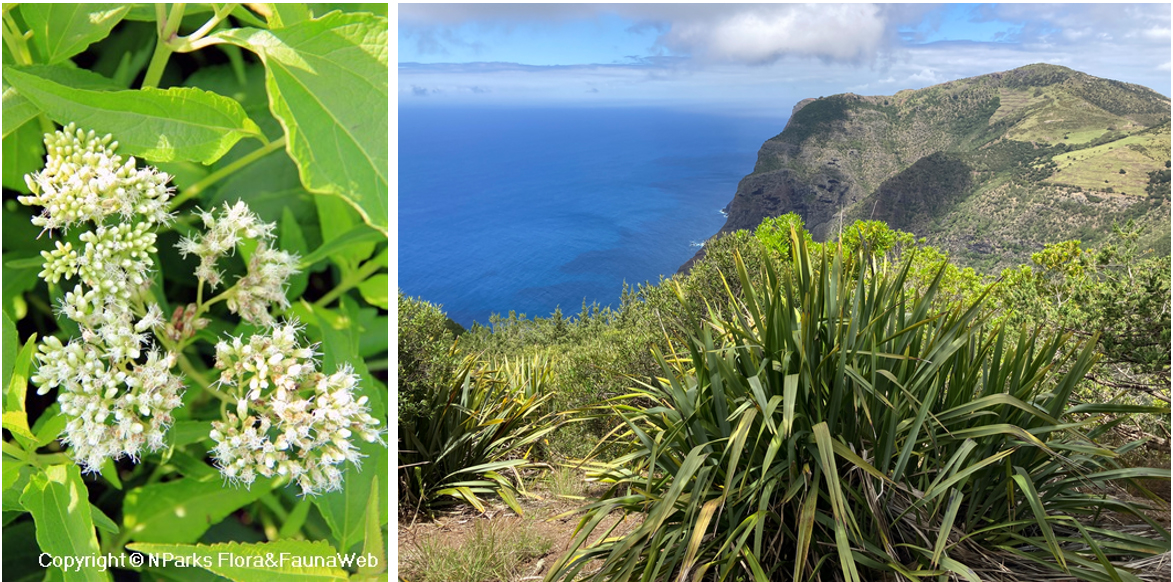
{"points": [[1098, 168]]}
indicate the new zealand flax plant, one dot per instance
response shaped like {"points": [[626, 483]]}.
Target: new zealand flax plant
{"points": [[475, 434], [839, 426]]}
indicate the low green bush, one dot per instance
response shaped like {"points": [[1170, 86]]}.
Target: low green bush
{"points": [[427, 355]]}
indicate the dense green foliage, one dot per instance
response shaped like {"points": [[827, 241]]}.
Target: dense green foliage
{"points": [[834, 426], [1117, 292], [474, 434], [426, 354], [601, 352], [775, 405], [278, 108]]}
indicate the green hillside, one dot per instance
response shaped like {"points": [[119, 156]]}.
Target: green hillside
{"points": [[990, 168]]}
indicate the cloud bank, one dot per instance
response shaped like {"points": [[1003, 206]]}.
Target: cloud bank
{"points": [[762, 57]]}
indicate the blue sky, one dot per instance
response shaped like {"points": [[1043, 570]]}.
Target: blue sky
{"points": [[756, 59]]}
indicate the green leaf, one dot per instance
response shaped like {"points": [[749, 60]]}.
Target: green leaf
{"points": [[16, 478], [263, 562], [17, 387], [325, 78], [15, 418], [21, 553], [186, 432], [352, 238], [181, 511], [335, 218], [11, 341], [59, 502], [11, 471], [373, 544], [296, 519], [25, 263], [24, 153], [1025, 483], [146, 12], [345, 510], [49, 426], [109, 472], [955, 498], [284, 14], [17, 110], [375, 290], [63, 30], [101, 521], [17, 423], [159, 125]]}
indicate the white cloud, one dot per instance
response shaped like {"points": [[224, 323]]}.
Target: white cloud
{"points": [[1156, 33], [925, 76], [764, 34], [745, 33]]}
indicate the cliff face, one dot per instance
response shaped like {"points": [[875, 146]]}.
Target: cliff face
{"points": [[1035, 138]]}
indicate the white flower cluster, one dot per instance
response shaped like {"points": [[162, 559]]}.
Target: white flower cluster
{"points": [[115, 405], [290, 419], [84, 180], [269, 269], [112, 412]]}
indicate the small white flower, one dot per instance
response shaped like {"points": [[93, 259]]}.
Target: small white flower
{"points": [[291, 420], [264, 285], [225, 230], [85, 180]]}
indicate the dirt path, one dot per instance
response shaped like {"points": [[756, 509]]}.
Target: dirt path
{"points": [[455, 544]]}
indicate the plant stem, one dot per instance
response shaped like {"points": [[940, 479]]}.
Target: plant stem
{"points": [[15, 450], [195, 189], [16, 41], [53, 459], [216, 18], [189, 369], [348, 283], [167, 27]]}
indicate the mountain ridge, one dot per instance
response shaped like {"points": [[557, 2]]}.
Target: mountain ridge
{"points": [[946, 162]]}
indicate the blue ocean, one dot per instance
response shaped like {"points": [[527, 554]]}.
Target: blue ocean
{"points": [[531, 209]]}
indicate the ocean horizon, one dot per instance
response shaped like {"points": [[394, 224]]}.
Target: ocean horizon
{"points": [[533, 209]]}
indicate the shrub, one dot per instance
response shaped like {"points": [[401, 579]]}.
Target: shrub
{"points": [[427, 355], [830, 430]]}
